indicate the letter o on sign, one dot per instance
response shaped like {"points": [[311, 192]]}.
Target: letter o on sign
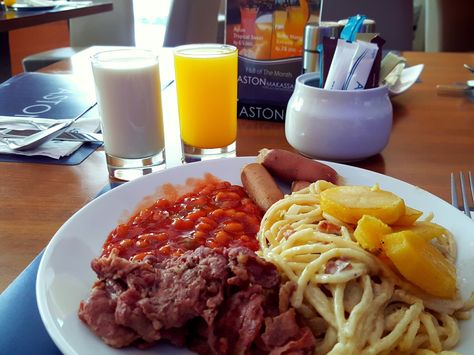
{"points": [[37, 109]]}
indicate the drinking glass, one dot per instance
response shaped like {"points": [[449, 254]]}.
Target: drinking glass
{"points": [[127, 83], [206, 85]]}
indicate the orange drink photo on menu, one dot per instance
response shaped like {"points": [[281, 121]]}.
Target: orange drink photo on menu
{"points": [[297, 16], [206, 84], [9, 3], [269, 36], [289, 20]]}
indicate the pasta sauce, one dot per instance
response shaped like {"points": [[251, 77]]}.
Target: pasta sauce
{"points": [[217, 215]]}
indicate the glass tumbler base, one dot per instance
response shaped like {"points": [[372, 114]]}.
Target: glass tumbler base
{"points": [[193, 154], [129, 169]]}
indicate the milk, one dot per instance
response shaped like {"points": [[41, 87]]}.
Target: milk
{"points": [[129, 99]]}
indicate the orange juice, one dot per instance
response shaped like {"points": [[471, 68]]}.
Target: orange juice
{"points": [[296, 21], [206, 84], [288, 30]]}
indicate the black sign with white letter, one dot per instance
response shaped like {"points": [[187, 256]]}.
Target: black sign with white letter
{"points": [[45, 96]]}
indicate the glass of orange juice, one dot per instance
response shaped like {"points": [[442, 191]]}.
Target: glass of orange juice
{"points": [[206, 86]]}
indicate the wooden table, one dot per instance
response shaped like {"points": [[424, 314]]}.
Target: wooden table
{"points": [[432, 136], [13, 20]]}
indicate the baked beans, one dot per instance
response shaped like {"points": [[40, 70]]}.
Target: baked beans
{"points": [[217, 215]]}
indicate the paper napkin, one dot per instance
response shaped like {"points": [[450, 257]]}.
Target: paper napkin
{"points": [[53, 149]]}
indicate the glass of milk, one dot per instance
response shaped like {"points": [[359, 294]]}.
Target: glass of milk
{"points": [[127, 83]]}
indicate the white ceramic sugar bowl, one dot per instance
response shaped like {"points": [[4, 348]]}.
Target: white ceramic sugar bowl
{"points": [[337, 125]]}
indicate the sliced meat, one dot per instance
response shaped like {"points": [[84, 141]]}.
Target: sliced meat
{"points": [[212, 301], [98, 312], [249, 268], [129, 314], [284, 295], [302, 344], [190, 286], [280, 329], [284, 335], [239, 321]]}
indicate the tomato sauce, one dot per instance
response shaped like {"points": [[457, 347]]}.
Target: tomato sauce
{"points": [[216, 215]]}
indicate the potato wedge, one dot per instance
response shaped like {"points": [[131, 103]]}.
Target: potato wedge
{"points": [[426, 230], [410, 217], [350, 203], [421, 263], [369, 233]]}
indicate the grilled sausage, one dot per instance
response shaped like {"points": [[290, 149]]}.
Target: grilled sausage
{"points": [[299, 185], [260, 185], [290, 166]]}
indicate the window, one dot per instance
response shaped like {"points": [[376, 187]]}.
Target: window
{"points": [[151, 17]]}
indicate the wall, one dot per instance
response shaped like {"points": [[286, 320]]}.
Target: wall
{"points": [[419, 23]]}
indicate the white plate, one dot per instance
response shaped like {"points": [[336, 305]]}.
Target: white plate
{"points": [[65, 277]]}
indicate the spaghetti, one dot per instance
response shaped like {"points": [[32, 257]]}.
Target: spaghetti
{"points": [[353, 302]]}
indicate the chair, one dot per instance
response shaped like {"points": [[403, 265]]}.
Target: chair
{"points": [[109, 28], [394, 18], [193, 22]]}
